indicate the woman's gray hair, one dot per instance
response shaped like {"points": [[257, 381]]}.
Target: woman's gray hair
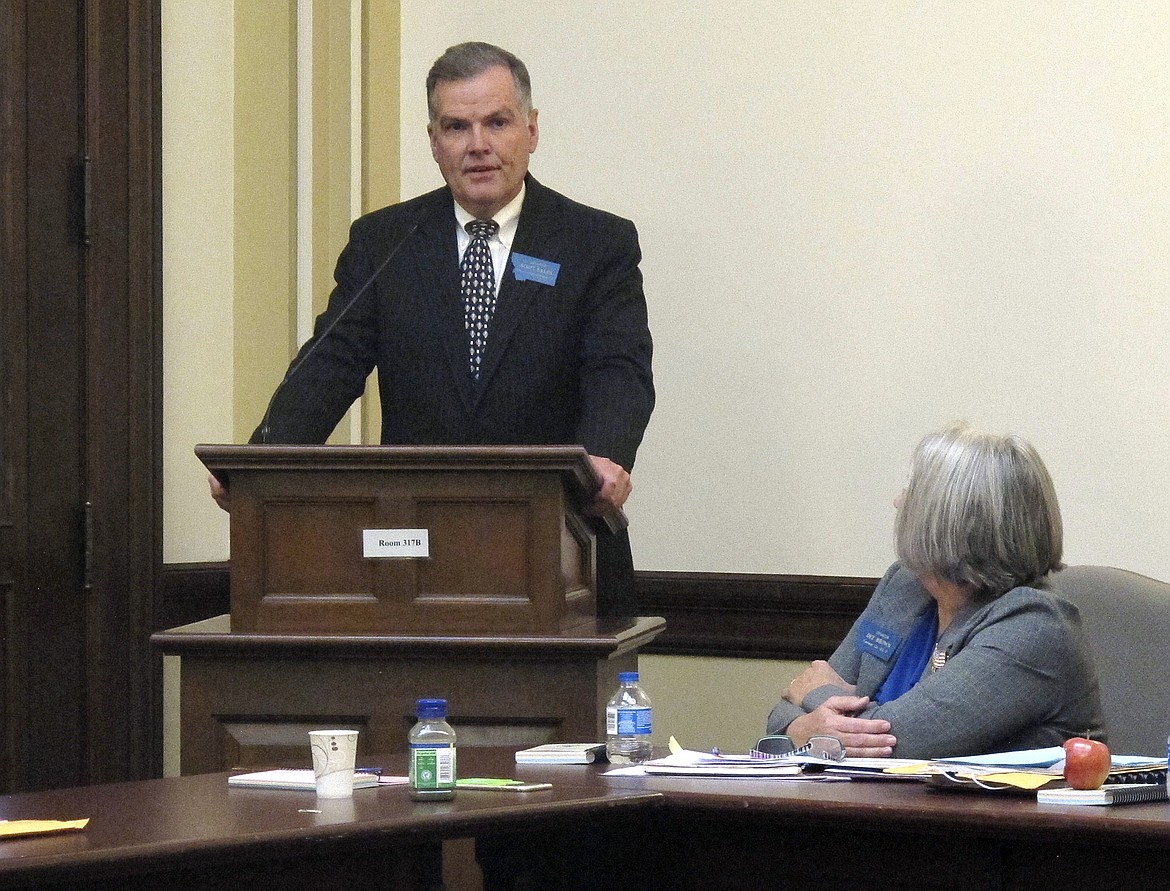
{"points": [[979, 510], [467, 60]]}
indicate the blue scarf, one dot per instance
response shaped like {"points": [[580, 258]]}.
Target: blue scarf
{"points": [[912, 659]]}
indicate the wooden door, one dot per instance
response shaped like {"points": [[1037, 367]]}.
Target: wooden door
{"points": [[78, 390]]}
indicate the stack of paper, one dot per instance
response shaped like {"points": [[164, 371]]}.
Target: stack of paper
{"points": [[698, 764], [1026, 770], [1033, 769], [686, 762], [292, 778], [1050, 759], [561, 753]]}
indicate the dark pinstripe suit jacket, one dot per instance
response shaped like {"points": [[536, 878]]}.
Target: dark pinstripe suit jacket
{"points": [[566, 363]]}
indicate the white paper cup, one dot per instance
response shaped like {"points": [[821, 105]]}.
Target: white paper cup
{"points": [[334, 756]]}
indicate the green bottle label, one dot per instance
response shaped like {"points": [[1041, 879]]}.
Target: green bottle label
{"points": [[432, 767]]}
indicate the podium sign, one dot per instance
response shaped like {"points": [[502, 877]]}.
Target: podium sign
{"points": [[404, 539]]}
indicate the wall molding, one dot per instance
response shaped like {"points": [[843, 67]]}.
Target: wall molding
{"points": [[760, 616], [713, 614], [189, 592]]}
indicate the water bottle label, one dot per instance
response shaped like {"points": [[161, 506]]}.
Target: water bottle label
{"points": [[432, 767], [631, 721]]}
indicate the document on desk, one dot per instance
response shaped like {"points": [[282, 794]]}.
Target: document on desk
{"points": [[1049, 759], [880, 769], [688, 762], [1025, 758], [726, 766], [17, 828], [301, 779], [1029, 770]]}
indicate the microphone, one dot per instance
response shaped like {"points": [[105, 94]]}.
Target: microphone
{"points": [[292, 370]]}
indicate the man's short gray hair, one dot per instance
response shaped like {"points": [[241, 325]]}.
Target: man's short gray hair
{"points": [[979, 510], [467, 60]]}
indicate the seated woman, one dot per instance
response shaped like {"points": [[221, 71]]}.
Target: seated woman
{"points": [[962, 649]]}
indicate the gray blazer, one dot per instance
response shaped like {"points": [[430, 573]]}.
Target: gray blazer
{"points": [[1018, 675]]}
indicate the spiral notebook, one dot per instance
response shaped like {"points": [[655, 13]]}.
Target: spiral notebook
{"points": [[1140, 774], [1115, 793]]}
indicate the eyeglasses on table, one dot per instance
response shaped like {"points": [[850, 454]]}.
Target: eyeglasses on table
{"points": [[828, 748]]}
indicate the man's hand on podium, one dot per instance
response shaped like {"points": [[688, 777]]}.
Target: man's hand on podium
{"points": [[615, 484], [220, 493]]}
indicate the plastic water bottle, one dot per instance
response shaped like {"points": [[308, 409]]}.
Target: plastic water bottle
{"points": [[628, 719], [432, 753]]}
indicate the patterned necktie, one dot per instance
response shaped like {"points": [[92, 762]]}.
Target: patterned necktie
{"points": [[478, 280]]}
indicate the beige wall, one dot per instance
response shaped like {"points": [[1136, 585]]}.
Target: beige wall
{"points": [[859, 220], [241, 270], [706, 703], [261, 179], [198, 267], [264, 207]]}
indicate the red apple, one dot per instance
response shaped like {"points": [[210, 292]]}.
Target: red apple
{"points": [[1086, 762]]}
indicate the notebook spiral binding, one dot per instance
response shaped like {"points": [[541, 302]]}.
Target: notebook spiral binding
{"points": [[1136, 775]]}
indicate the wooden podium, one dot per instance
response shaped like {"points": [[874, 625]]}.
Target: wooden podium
{"points": [[508, 546], [366, 577]]}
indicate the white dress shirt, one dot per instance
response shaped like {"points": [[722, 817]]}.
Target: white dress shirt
{"points": [[508, 219]]}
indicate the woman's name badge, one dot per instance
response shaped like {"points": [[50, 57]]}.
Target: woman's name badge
{"points": [[880, 642]]}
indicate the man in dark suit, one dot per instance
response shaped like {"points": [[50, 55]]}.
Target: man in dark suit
{"points": [[548, 343]]}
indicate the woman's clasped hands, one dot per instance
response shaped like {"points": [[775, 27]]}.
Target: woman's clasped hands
{"points": [[862, 737]]}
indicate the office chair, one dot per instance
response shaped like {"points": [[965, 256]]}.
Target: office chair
{"points": [[1126, 617]]}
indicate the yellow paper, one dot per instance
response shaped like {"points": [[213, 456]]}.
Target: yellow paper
{"points": [[1015, 779], [10, 828], [922, 769]]}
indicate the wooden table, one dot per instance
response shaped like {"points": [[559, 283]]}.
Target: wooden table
{"points": [[750, 835], [196, 832], [589, 831]]}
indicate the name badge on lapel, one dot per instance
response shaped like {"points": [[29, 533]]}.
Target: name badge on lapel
{"points": [[876, 641], [534, 269]]}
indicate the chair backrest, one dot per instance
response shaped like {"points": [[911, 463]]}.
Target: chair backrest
{"points": [[1126, 617]]}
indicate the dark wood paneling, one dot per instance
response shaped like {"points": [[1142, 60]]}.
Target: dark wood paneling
{"points": [[43, 422], [122, 323], [13, 298], [190, 592], [754, 615], [707, 613], [79, 363]]}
